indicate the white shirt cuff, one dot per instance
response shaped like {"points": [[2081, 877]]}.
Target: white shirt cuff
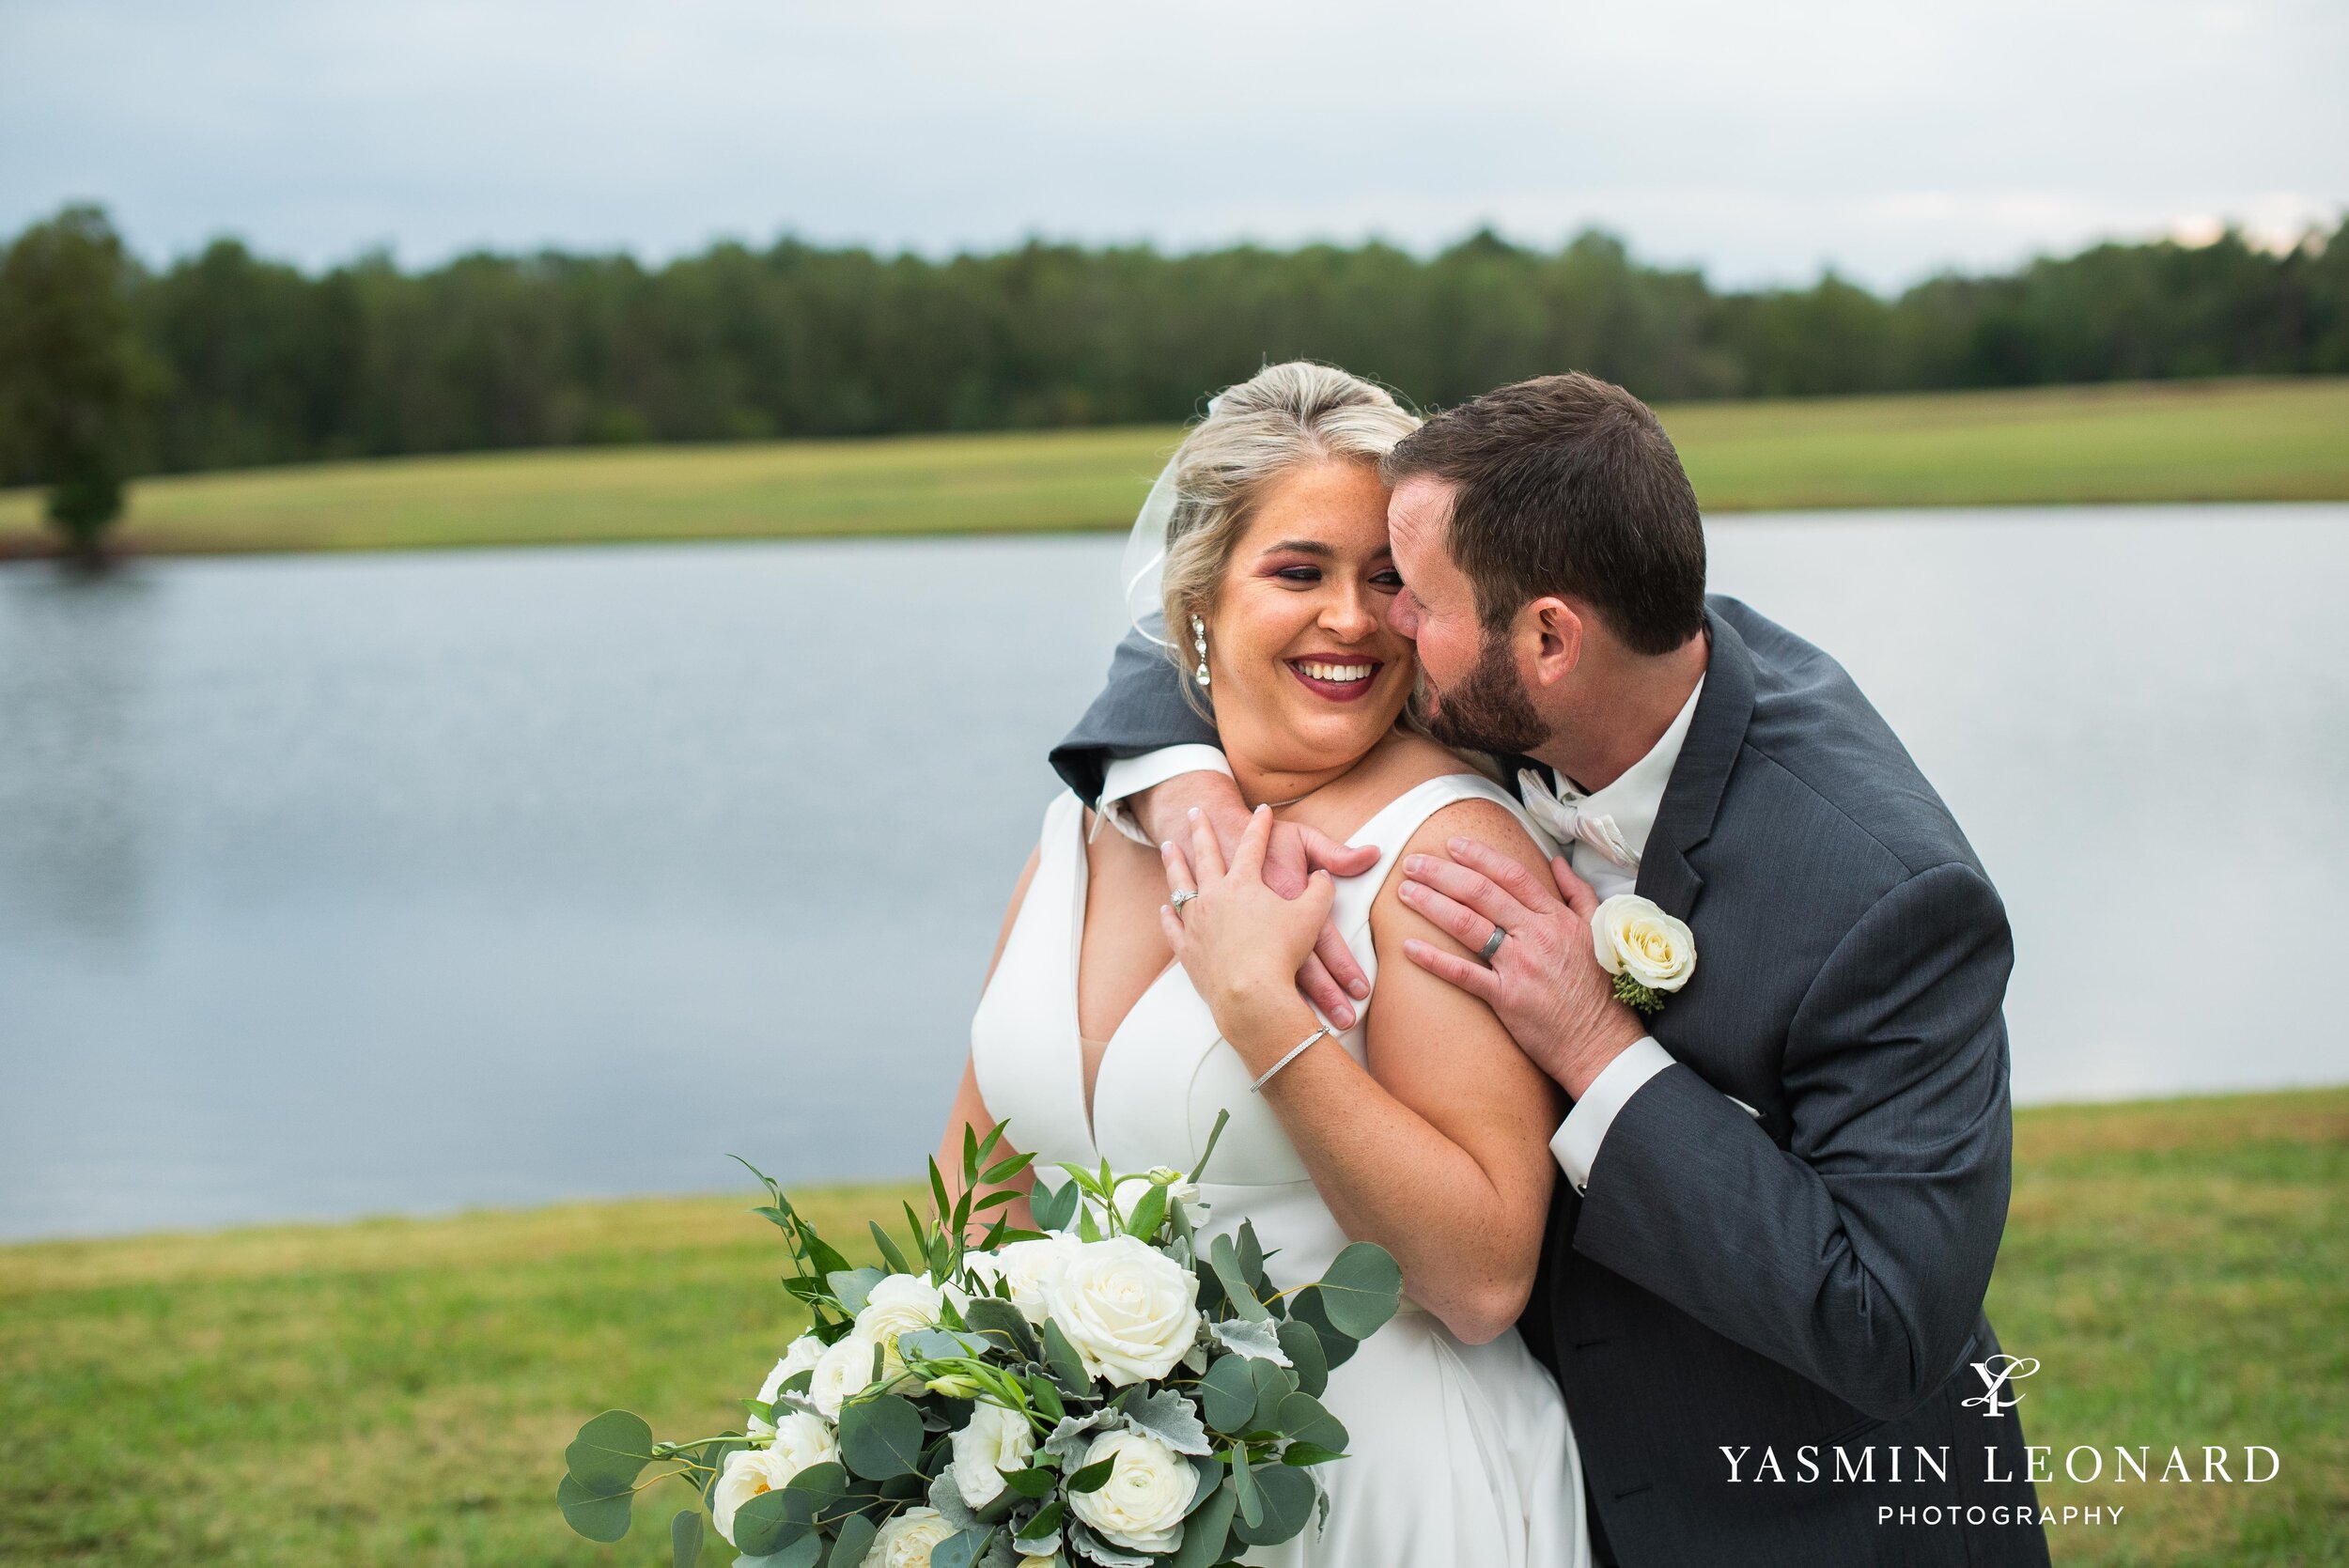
{"points": [[1576, 1139], [1126, 777]]}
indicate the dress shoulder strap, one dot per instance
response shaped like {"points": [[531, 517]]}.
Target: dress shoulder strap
{"points": [[1392, 826]]}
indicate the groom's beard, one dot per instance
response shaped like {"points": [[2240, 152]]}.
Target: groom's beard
{"points": [[1488, 710]]}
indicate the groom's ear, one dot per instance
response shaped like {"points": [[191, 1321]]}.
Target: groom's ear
{"points": [[1558, 629]]}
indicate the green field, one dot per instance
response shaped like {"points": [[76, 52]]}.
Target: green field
{"points": [[2214, 441], [397, 1393]]}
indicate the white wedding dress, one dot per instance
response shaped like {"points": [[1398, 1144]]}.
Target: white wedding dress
{"points": [[1460, 1455]]}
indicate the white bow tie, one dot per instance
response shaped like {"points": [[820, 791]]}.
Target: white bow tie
{"points": [[1566, 822]]}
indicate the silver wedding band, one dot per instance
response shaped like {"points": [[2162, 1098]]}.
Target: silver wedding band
{"points": [[1492, 944], [1183, 896]]}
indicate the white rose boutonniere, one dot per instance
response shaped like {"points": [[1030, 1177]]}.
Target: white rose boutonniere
{"points": [[1648, 951]]}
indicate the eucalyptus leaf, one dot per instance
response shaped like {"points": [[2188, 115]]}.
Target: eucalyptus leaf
{"points": [[1287, 1503], [769, 1522], [939, 1345], [1244, 1488], [1225, 1259], [1251, 1251], [1067, 1366], [849, 1287], [823, 1483], [1272, 1385], [880, 1438], [1360, 1289], [610, 1451], [1302, 1343], [597, 1515], [1207, 1530], [1337, 1348], [852, 1541], [1306, 1420], [802, 1552], [1229, 1393], [1212, 1473], [962, 1548], [685, 1538]]}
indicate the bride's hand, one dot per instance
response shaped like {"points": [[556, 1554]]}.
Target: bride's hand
{"points": [[1238, 940]]}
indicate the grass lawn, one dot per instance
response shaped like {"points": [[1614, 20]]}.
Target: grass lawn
{"points": [[2213, 440], [397, 1393]]}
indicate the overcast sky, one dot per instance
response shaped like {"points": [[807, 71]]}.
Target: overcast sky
{"points": [[1888, 138]]}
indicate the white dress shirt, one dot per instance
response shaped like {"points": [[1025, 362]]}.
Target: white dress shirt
{"points": [[1625, 813]]}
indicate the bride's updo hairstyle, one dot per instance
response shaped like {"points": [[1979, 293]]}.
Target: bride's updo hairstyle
{"points": [[1282, 418]]}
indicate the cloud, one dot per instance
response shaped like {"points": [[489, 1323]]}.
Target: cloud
{"points": [[1760, 142]]}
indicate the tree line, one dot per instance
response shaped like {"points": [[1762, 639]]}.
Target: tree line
{"points": [[225, 359]]}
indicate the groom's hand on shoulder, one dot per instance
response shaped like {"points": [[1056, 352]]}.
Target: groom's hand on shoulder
{"points": [[1331, 980], [1545, 983]]}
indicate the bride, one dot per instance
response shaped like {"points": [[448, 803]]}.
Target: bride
{"points": [[1115, 1028]]}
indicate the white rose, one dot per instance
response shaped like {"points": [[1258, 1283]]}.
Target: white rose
{"points": [[800, 1355], [1631, 936], [995, 1439], [1027, 1266], [1128, 1309], [898, 1303], [801, 1440], [908, 1539], [1142, 1506], [843, 1370]]}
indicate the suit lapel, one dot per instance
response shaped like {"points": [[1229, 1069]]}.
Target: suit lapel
{"points": [[1717, 731]]}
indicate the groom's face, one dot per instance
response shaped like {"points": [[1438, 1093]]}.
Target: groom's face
{"points": [[1472, 692]]}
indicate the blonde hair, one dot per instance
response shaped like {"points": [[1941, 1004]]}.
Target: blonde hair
{"points": [[1281, 419]]}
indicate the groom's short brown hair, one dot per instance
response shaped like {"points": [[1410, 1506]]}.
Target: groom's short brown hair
{"points": [[1568, 484]]}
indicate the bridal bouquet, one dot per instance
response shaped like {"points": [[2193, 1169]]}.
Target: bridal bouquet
{"points": [[1112, 1390]]}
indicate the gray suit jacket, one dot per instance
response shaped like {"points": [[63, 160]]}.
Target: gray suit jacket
{"points": [[1811, 1279]]}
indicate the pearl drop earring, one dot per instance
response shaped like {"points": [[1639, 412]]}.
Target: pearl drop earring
{"points": [[1199, 641]]}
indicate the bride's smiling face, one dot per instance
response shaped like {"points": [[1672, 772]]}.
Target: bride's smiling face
{"points": [[1305, 672]]}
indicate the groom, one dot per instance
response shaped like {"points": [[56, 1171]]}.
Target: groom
{"points": [[1762, 1281]]}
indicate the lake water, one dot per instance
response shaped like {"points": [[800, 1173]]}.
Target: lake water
{"points": [[343, 885]]}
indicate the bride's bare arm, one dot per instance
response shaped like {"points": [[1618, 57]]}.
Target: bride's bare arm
{"points": [[1439, 1152], [970, 1109]]}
